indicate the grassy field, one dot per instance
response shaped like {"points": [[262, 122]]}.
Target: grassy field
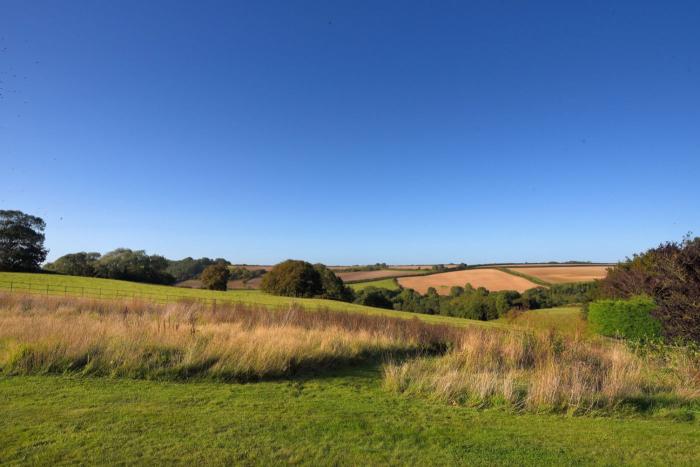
{"points": [[74, 285], [567, 320], [344, 418], [383, 283]]}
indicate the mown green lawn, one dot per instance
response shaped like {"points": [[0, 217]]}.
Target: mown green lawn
{"points": [[345, 418], [389, 283], [95, 287]]}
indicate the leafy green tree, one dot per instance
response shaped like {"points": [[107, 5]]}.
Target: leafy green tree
{"points": [[293, 278], [75, 264], [190, 268], [133, 265], [376, 296], [215, 277], [333, 286], [21, 241]]}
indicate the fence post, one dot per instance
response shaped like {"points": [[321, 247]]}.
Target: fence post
{"points": [[65, 290], [11, 284], [100, 289], [47, 290], [82, 291]]}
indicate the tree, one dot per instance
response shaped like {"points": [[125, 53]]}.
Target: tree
{"points": [[333, 286], [75, 264], [21, 241], [133, 265], [293, 278], [215, 277]]}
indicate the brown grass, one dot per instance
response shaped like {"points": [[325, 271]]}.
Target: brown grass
{"points": [[546, 372], [564, 274], [491, 279], [143, 340]]}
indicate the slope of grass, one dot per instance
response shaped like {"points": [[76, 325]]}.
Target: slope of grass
{"points": [[567, 320], [382, 283], [95, 287], [345, 418]]}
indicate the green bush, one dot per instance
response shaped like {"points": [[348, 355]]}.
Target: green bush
{"points": [[630, 319], [215, 277]]}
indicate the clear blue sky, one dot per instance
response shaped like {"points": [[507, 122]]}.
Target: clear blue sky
{"points": [[353, 132]]}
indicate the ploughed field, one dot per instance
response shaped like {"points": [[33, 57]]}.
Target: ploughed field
{"points": [[564, 274], [492, 279]]}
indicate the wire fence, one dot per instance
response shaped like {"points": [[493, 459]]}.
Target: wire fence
{"points": [[103, 293]]}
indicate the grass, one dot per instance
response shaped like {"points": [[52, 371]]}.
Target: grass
{"points": [[345, 418], [57, 335], [320, 396], [537, 372], [75, 286], [565, 319], [389, 283]]}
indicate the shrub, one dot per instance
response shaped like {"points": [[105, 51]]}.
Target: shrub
{"points": [[630, 319], [75, 264], [332, 286], [133, 265], [215, 277], [670, 274]]}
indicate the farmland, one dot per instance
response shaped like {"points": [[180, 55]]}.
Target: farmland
{"points": [[491, 279], [563, 274]]}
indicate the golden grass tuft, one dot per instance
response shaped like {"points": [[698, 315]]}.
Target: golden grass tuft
{"points": [[43, 335], [548, 372]]}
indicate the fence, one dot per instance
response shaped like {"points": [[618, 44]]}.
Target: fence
{"points": [[106, 293]]}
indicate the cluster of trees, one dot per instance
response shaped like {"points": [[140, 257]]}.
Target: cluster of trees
{"points": [[481, 304], [670, 275], [122, 263], [368, 267], [293, 278], [21, 241], [244, 274], [190, 268]]}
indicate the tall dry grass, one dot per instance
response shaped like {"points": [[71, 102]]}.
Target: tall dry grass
{"points": [[549, 372], [40, 335]]}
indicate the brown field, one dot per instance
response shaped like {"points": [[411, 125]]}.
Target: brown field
{"points": [[492, 279], [416, 267], [371, 275], [563, 274]]}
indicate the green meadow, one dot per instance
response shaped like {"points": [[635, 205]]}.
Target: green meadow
{"points": [[389, 283]]}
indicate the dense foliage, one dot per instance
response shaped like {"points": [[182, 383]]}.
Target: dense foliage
{"points": [[215, 277], [122, 263], [294, 278], [21, 241], [630, 319], [468, 302], [190, 268], [670, 274], [245, 274], [75, 264]]}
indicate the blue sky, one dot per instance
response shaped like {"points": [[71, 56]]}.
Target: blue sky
{"points": [[353, 132]]}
